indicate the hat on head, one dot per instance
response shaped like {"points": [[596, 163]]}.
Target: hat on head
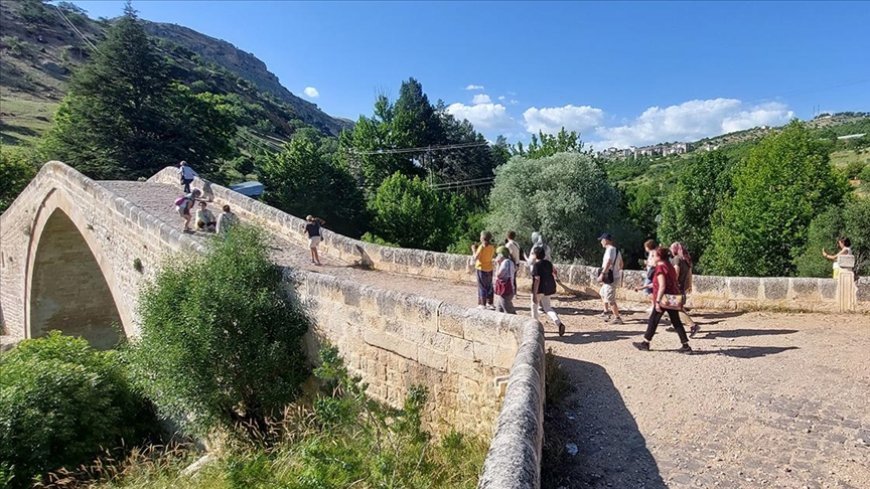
{"points": [[606, 236]]}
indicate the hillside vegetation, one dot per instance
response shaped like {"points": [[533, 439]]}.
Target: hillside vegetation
{"points": [[42, 45]]}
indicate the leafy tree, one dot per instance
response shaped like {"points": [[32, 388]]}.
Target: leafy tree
{"points": [[643, 204], [306, 178], [702, 184], [221, 342], [413, 122], [18, 166], [544, 145], [851, 221], [61, 404], [124, 117], [408, 212], [565, 196], [778, 189]]}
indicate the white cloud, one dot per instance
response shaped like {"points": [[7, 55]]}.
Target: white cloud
{"points": [[501, 97], [481, 98], [311, 92], [474, 87], [571, 117], [487, 117], [692, 120]]}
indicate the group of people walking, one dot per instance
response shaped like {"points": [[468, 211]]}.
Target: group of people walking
{"points": [[667, 283]]}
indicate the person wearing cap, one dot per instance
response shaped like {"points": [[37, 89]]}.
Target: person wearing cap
{"points": [[187, 175], [611, 273]]}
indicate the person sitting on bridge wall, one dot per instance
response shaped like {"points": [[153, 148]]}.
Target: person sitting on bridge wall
{"points": [[205, 220], [226, 220]]}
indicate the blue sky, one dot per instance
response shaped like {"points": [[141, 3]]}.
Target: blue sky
{"points": [[622, 73]]}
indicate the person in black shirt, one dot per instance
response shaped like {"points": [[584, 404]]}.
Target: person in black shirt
{"points": [[544, 286], [312, 229]]}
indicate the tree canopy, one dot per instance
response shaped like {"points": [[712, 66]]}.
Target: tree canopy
{"points": [[124, 117], [778, 190]]}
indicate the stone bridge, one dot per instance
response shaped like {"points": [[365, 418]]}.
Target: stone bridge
{"points": [[76, 252]]}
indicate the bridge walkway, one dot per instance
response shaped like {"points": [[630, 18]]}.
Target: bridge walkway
{"points": [[769, 400]]}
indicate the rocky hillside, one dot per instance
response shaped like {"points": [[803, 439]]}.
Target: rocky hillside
{"points": [[41, 45]]}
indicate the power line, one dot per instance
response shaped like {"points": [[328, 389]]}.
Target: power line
{"points": [[75, 29], [419, 149]]}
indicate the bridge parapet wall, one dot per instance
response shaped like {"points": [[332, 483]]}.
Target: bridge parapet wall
{"points": [[735, 293], [116, 231]]}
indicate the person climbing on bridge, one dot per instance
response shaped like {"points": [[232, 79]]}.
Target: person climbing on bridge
{"points": [[666, 292], [312, 230], [187, 175], [611, 273], [682, 262], [483, 254], [184, 204], [505, 280], [226, 220], [543, 287], [205, 220]]}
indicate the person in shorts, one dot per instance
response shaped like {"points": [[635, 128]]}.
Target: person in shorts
{"points": [[611, 273], [312, 230], [183, 206]]}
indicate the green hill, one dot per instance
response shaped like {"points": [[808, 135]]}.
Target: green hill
{"points": [[41, 45]]}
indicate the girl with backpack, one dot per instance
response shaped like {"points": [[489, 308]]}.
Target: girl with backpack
{"points": [[184, 204]]}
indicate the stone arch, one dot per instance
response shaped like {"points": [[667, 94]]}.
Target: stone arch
{"points": [[69, 280]]}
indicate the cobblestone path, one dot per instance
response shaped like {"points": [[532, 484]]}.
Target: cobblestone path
{"points": [[769, 400]]}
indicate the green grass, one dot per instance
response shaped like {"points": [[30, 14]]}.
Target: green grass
{"points": [[24, 119], [333, 438], [840, 159]]}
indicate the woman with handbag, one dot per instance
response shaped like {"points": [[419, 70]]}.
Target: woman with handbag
{"points": [[504, 281], [667, 296]]}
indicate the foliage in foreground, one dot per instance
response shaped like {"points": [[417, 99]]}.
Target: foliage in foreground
{"points": [[341, 439], [61, 404], [220, 340], [17, 169]]}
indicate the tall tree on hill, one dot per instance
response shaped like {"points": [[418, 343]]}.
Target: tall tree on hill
{"points": [[125, 118], [413, 122], [784, 182]]}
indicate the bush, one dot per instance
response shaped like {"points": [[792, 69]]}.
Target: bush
{"points": [[854, 168], [61, 404], [17, 169], [220, 339]]}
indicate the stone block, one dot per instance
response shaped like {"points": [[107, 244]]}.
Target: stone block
{"points": [[435, 341], [804, 288], [774, 289], [484, 353], [709, 285], [395, 344], [744, 287], [432, 358], [461, 349], [828, 288]]}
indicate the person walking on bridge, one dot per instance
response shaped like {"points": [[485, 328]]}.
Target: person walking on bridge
{"points": [[483, 254], [667, 297], [312, 230], [187, 175]]}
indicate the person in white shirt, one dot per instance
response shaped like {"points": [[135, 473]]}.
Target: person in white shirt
{"points": [[845, 245], [611, 273], [187, 175], [205, 220]]}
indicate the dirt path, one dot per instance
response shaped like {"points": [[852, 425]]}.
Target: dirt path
{"points": [[768, 400]]}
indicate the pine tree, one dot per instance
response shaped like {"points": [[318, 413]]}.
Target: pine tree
{"points": [[125, 118]]}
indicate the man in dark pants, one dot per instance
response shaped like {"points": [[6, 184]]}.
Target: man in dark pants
{"points": [[187, 175]]}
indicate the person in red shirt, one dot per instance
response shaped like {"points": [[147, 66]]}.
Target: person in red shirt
{"points": [[664, 281]]}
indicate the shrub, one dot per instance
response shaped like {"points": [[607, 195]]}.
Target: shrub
{"points": [[854, 168], [17, 169], [220, 339], [566, 196], [410, 213], [61, 404]]}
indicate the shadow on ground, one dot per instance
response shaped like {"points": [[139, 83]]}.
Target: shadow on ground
{"points": [[611, 452]]}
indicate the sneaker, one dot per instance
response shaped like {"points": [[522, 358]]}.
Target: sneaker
{"points": [[561, 329], [481, 306], [670, 328], [686, 349], [641, 345], [695, 329], [605, 316], [616, 320], [490, 307]]}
